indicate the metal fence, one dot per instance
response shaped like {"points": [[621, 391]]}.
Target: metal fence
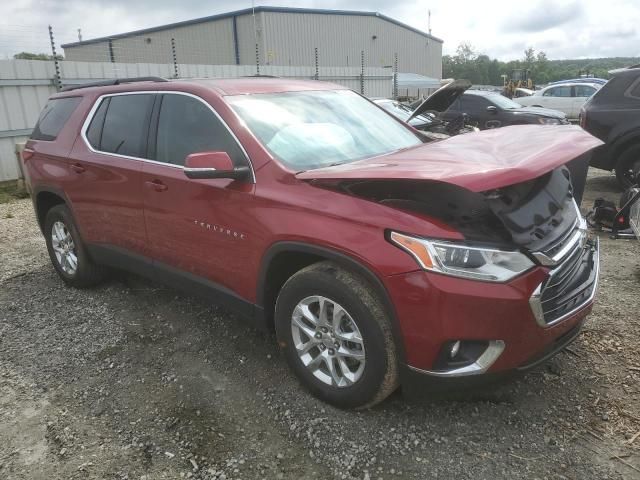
{"points": [[25, 86]]}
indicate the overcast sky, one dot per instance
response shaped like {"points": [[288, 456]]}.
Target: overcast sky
{"points": [[563, 29]]}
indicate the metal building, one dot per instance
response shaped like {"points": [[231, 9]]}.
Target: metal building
{"points": [[284, 36]]}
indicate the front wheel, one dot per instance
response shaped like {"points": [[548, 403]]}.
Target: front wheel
{"points": [[66, 250], [336, 336]]}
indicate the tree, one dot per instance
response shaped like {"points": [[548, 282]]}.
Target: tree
{"points": [[35, 56], [465, 53], [481, 69], [529, 58]]}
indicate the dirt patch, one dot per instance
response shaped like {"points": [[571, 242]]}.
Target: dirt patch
{"points": [[131, 380]]}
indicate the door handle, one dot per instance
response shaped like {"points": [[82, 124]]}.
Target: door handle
{"points": [[76, 167], [156, 185]]}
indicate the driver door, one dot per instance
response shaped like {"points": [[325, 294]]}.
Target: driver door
{"points": [[195, 226]]}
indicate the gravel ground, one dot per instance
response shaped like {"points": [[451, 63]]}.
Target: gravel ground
{"points": [[134, 381]]}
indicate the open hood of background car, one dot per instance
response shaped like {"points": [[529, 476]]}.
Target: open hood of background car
{"points": [[443, 98], [478, 161]]}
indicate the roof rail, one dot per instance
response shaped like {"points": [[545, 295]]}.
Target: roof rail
{"points": [[115, 81]]}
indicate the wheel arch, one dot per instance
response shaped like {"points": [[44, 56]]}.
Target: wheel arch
{"points": [[44, 199], [283, 259], [622, 143]]}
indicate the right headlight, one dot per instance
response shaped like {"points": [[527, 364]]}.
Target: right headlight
{"points": [[460, 260]]}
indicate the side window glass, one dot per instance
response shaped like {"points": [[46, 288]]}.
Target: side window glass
{"points": [[186, 125], [558, 92], [584, 91], [635, 90], [53, 117], [125, 125], [94, 132]]}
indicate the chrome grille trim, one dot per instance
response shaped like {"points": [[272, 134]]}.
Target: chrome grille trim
{"points": [[535, 301]]}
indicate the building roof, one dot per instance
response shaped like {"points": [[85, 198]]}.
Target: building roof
{"points": [[247, 11]]}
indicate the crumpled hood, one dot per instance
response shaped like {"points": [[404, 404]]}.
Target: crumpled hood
{"points": [[476, 161]]}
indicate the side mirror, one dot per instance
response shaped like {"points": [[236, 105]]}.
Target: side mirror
{"points": [[492, 109], [203, 165]]}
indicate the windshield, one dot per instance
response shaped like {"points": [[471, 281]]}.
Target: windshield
{"points": [[503, 102], [313, 129]]}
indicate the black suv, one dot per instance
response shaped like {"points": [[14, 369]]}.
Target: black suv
{"points": [[613, 115]]}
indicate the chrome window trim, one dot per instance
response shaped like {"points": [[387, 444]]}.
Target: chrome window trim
{"points": [[480, 366], [98, 101]]}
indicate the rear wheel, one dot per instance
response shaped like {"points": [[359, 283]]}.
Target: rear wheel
{"points": [[66, 250], [336, 336], [628, 167]]}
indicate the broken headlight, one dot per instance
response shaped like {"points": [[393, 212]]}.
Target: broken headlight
{"points": [[461, 260]]}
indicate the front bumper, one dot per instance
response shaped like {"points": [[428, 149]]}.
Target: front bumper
{"points": [[434, 310]]}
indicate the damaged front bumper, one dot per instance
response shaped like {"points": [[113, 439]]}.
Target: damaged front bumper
{"points": [[503, 327]]}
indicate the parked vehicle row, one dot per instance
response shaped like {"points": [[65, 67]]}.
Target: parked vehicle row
{"points": [[455, 109]]}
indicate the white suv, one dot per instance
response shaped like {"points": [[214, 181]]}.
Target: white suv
{"points": [[566, 97]]}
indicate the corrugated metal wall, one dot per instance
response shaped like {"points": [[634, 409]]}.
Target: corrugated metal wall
{"points": [[25, 86], [290, 39], [285, 39]]}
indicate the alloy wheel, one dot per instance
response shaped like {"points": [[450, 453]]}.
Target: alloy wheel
{"points": [[64, 248], [328, 341]]}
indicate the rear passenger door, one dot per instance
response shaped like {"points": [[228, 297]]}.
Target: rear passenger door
{"points": [[107, 161], [195, 226]]}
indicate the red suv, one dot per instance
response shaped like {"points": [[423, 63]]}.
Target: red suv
{"points": [[377, 256]]}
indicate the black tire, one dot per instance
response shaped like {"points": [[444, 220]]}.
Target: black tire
{"points": [[380, 375], [628, 167], [87, 273]]}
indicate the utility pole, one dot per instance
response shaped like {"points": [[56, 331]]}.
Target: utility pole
{"points": [[79, 34]]}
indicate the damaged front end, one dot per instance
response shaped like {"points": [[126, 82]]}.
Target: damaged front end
{"points": [[506, 231], [526, 215]]}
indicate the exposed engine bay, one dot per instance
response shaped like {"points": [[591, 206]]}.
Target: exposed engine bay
{"points": [[531, 214]]}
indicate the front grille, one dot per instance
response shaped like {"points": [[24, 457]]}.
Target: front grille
{"points": [[571, 284]]}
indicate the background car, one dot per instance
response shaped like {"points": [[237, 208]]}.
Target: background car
{"points": [[600, 81], [567, 97], [613, 115], [425, 114], [491, 110], [403, 112]]}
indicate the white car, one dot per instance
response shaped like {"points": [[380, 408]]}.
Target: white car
{"points": [[566, 97]]}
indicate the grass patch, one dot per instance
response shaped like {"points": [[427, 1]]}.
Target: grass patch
{"points": [[9, 191]]}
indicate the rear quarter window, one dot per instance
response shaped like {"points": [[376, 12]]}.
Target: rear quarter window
{"points": [[634, 90], [53, 117]]}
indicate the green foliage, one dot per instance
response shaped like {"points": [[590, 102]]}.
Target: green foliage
{"points": [[35, 56], [482, 70]]}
